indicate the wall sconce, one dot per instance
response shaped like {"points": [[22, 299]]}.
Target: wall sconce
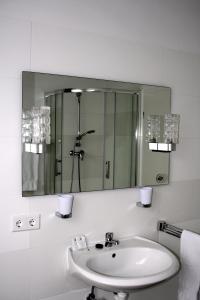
{"points": [[163, 132], [36, 129]]}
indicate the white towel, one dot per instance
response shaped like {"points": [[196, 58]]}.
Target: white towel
{"points": [[30, 164], [189, 277]]}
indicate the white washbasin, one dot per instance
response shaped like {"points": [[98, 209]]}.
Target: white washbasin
{"points": [[133, 264]]}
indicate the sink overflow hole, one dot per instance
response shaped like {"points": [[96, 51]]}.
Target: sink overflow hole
{"points": [[113, 255]]}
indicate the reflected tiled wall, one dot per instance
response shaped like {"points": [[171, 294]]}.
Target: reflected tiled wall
{"points": [[144, 41]]}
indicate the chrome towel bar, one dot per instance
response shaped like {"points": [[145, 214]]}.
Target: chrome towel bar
{"points": [[170, 229]]}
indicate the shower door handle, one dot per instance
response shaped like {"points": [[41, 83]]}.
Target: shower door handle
{"points": [[58, 169], [107, 169]]}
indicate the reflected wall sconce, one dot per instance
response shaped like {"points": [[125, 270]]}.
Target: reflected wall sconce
{"points": [[36, 129], [162, 132]]}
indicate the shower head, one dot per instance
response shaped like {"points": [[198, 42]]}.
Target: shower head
{"points": [[79, 137]]}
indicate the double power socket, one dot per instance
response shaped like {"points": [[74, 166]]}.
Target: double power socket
{"points": [[25, 222]]}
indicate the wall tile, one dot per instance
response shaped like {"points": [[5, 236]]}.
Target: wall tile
{"points": [[151, 64], [166, 289], [179, 202], [12, 240], [11, 201], [171, 242], [15, 36], [184, 162], [49, 272], [145, 61], [10, 171], [171, 24], [181, 71], [15, 276], [114, 209], [193, 225], [188, 107], [74, 295], [10, 113]]}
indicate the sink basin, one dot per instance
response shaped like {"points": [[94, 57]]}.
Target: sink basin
{"points": [[133, 264]]}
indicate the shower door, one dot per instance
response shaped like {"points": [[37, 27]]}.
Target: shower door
{"points": [[109, 153], [91, 118], [53, 155], [120, 140]]}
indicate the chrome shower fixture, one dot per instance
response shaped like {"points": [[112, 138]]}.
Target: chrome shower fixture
{"points": [[79, 154], [79, 137]]}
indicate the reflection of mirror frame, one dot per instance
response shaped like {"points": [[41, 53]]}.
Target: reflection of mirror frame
{"points": [[148, 167]]}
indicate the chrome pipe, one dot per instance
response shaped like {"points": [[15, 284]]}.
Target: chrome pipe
{"points": [[78, 95]]}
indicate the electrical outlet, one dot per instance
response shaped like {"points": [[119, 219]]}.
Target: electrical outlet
{"points": [[25, 222]]}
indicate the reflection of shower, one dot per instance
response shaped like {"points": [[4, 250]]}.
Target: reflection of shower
{"points": [[77, 152]]}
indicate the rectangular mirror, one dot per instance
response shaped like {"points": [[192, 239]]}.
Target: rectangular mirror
{"points": [[82, 134]]}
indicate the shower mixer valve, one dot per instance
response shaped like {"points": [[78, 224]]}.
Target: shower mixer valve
{"points": [[79, 154]]}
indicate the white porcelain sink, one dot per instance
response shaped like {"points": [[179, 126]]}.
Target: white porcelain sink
{"points": [[133, 264]]}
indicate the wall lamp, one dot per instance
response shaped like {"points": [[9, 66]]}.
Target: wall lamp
{"points": [[162, 132]]}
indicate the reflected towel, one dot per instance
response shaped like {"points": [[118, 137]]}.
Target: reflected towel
{"points": [[189, 277], [30, 163]]}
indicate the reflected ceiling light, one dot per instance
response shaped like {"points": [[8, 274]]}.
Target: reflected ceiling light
{"points": [[90, 90], [77, 91]]}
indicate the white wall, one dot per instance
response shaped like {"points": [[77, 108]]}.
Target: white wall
{"points": [[148, 41]]}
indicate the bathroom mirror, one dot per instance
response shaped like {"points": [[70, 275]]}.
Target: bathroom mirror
{"points": [[82, 134]]}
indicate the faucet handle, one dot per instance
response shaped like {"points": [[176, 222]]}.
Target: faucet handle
{"points": [[109, 236]]}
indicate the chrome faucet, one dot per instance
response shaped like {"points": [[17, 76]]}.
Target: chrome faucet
{"points": [[109, 240]]}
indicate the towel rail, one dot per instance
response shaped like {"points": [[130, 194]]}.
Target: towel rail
{"points": [[170, 229]]}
